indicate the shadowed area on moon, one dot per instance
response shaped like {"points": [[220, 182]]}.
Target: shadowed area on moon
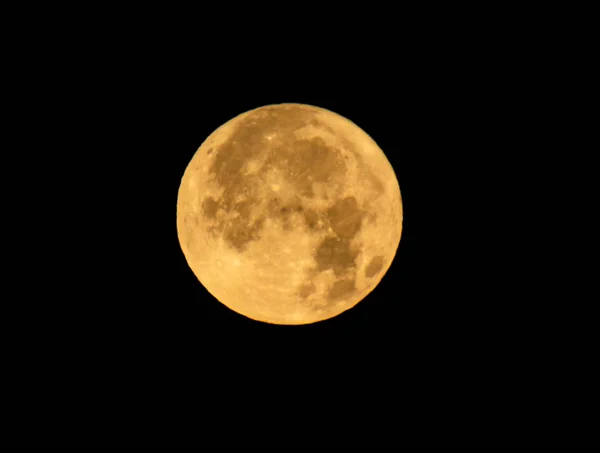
{"points": [[375, 265], [302, 163]]}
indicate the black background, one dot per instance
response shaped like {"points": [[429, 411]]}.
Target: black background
{"points": [[114, 329], [113, 321], [140, 108], [131, 324], [423, 114]]}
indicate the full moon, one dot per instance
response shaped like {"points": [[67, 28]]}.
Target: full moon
{"points": [[289, 214]]}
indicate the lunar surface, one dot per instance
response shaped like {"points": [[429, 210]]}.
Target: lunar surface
{"points": [[289, 214]]}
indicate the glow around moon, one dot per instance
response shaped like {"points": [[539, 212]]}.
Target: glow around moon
{"points": [[289, 214]]}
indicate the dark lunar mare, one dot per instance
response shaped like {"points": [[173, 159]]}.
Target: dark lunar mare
{"points": [[298, 160]]}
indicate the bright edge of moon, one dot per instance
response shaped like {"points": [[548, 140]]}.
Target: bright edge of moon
{"points": [[289, 214]]}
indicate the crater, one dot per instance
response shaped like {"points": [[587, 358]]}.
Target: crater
{"points": [[345, 217], [240, 233], [341, 289], [321, 125], [305, 188], [374, 181], [314, 158], [190, 221], [306, 290], [243, 208], [375, 265], [335, 254], [274, 205], [311, 218], [210, 207], [278, 209]]}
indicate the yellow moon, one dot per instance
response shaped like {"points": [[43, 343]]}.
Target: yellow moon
{"points": [[289, 214]]}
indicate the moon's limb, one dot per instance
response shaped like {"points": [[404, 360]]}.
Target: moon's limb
{"points": [[289, 214]]}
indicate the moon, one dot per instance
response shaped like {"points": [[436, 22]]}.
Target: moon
{"points": [[289, 214]]}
